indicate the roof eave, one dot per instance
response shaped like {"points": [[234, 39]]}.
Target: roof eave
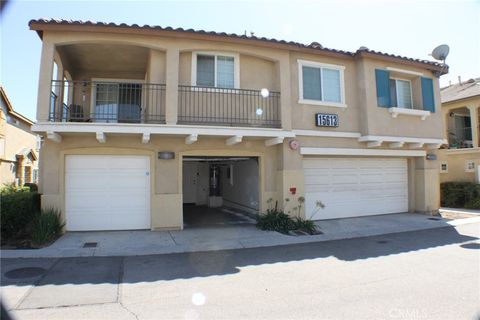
{"points": [[443, 68]]}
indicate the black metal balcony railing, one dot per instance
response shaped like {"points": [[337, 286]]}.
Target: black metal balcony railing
{"points": [[228, 107], [108, 102], [112, 102]]}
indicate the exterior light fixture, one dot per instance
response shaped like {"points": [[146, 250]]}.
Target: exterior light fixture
{"points": [[166, 155], [259, 111], [264, 92]]}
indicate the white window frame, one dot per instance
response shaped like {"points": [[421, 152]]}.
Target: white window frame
{"points": [[93, 89], [314, 64], [215, 54], [467, 164], [396, 91], [446, 167]]}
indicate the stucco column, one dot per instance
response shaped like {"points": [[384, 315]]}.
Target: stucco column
{"points": [[285, 92], [45, 80], [154, 77], [475, 127], [427, 185], [171, 111]]}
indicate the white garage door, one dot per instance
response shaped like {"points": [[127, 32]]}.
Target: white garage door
{"points": [[352, 187], [107, 192]]}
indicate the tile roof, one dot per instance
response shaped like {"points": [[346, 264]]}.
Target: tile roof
{"points": [[313, 45], [463, 90]]}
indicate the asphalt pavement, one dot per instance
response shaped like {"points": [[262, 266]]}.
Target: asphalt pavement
{"points": [[426, 274]]}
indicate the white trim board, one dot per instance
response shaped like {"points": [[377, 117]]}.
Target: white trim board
{"points": [[361, 152], [331, 134], [423, 114], [135, 128], [405, 71], [401, 139]]}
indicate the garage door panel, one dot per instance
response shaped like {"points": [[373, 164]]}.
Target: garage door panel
{"points": [[81, 223], [355, 186], [107, 192]]}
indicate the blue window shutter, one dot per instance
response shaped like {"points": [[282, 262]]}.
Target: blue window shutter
{"points": [[383, 88], [427, 95]]}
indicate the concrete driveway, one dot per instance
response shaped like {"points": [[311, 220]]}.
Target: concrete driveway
{"points": [[131, 243], [429, 274]]}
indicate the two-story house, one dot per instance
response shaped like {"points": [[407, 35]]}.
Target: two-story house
{"points": [[460, 105], [140, 121], [19, 146]]}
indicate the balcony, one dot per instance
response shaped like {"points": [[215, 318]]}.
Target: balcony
{"points": [[459, 138], [107, 102], [138, 102], [228, 107]]}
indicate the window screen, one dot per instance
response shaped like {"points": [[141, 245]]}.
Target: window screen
{"points": [[206, 70]]}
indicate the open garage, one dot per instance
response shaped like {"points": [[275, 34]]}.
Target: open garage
{"points": [[220, 190]]}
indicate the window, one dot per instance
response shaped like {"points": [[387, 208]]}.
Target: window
{"points": [[321, 84], [118, 102], [470, 166], [35, 176], [401, 93], [444, 167], [215, 70], [27, 175]]}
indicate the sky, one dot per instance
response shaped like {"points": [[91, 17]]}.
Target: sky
{"points": [[408, 28]]}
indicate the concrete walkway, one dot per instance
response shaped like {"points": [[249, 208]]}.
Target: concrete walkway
{"points": [[464, 211], [133, 243]]}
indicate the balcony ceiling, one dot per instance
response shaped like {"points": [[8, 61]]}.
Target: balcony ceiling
{"points": [[104, 58]]}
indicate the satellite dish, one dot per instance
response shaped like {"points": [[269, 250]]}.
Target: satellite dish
{"points": [[441, 52]]}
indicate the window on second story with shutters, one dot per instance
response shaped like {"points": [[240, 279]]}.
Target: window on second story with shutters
{"points": [[404, 90]]}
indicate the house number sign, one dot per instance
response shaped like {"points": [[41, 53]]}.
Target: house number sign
{"points": [[326, 120]]}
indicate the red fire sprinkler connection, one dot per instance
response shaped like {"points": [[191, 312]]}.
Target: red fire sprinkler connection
{"points": [[293, 190]]}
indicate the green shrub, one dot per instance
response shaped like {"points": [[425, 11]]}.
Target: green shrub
{"points": [[275, 220], [460, 194], [305, 225], [31, 186], [18, 209], [46, 227], [473, 204], [9, 188]]}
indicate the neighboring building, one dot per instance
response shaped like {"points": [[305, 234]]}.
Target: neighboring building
{"points": [[460, 105], [18, 145], [139, 121]]}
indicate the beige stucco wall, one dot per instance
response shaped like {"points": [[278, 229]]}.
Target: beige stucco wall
{"points": [[303, 115], [16, 138], [167, 174], [170, 61], [457, 160], [378, 121]]}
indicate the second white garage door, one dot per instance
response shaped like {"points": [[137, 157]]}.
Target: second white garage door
{"points": [[352, 187], [107, 192]]}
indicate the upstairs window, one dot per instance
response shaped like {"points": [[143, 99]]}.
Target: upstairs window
{"points": [[404, 89], [401, 93], [321, 84], [217, 71]]}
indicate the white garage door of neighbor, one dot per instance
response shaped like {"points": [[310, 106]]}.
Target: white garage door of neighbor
{"points": [[352, 187], [107, 192]]}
